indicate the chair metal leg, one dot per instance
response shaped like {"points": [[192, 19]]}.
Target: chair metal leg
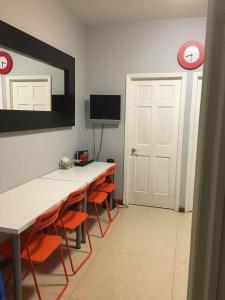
{"points": [[99, 222], [90, 246], [108, 210], [98, 218], [65, 272], [68, 251], [74, 271], [117, 208], [35, 279]]}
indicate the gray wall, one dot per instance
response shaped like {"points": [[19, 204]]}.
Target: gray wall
{"points": [[144, 47], [26, 155]]}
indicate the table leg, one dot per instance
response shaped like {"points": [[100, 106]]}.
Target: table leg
{"points": [[111, 201], [83, 230], [17, 267], [78, 237]]}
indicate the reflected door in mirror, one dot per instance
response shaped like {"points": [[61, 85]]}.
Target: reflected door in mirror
{"points": [[29, 93]]}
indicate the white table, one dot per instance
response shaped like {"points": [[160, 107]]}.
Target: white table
{"points": [[19, 208], [87, 173]]}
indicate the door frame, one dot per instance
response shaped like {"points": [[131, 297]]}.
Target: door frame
{"points": [[192, 130], [157, 76]]}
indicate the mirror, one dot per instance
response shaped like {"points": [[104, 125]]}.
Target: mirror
{"points": [[37, 83], [30, 85]]}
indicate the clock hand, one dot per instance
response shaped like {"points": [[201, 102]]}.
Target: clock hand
{"points": [[191, 55], [3, 63]]}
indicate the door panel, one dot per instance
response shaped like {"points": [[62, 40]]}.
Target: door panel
{"points": [[165, 125], [162, 175], [155, 116], [144, 115], [29, 92], [142, 174], [31, 95]]}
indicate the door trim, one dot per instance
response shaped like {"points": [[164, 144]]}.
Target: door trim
{"points": [[191, 154], [151, 76]]}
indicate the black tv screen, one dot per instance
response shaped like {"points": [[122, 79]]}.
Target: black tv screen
{"points": [[105, 107]]}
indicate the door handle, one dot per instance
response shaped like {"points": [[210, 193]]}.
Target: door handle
{"points": [[133, 151]]}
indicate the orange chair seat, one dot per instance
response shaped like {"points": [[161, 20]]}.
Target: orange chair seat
{"points": [[40, 247], [97, 197], [72, 219]]}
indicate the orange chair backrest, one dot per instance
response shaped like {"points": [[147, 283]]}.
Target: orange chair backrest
{"points": [[97, 183], [76, 197], [46, 219]]}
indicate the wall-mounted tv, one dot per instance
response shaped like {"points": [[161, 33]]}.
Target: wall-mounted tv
{"points": [[105, 108]]}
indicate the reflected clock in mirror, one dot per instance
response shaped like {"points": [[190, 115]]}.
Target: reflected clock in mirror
{"points": [[30, 85]]}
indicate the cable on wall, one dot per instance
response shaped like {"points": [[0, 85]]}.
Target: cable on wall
{"points": [[100, 146], [93, 128]]}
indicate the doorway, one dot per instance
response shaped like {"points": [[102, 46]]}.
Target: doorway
{"points": [[153, 139]]}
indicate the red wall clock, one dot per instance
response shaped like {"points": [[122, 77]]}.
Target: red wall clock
{"points": [[6, 63], [191, 55]]}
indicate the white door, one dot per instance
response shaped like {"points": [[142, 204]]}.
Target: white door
{"points": [[153, 125], [29, 93], [193, 139]]}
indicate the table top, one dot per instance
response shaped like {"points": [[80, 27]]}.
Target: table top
{"points": [[86, 174], [20, 206]]}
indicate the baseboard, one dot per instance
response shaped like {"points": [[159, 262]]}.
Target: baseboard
{"points": [[182, 209]]}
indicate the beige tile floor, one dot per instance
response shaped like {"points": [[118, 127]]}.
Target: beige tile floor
{"points": [[144, 256]]}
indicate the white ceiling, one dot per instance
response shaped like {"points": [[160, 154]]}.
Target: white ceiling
{"points": [[102, 12]]}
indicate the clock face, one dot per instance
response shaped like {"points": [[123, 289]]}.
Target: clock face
{"points": [[6, 63], [191, 55]]}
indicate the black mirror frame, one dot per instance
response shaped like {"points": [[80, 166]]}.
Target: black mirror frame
{"points": [[23, 43]]}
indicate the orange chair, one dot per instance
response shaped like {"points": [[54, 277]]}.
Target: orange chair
{"points": [[70, 220], [97, 197], [37, 246], [109, 187]]}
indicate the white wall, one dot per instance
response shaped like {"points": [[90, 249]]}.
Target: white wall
{"points": [[26, 155], [143, 47]]}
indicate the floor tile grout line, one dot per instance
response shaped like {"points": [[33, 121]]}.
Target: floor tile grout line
{"points": [[147, 257], [147, 224]]}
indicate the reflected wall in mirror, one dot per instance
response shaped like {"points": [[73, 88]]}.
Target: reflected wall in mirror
{"points": [[31, 85]]}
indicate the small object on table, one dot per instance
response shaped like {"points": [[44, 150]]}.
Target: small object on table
{"points": [[110, 160], [65, 163], [81, 158]]}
